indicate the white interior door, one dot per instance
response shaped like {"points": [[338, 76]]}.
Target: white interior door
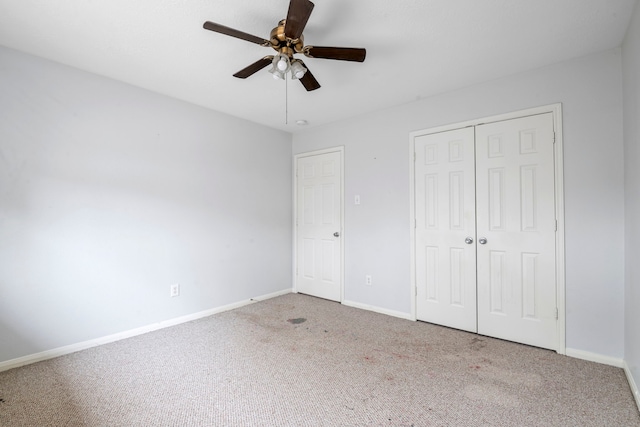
{"points": [[445, 229], [516, 226], [319, 225]]}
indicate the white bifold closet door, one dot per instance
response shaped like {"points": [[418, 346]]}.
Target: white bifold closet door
{"points": [[485, 230], [445, 221]]}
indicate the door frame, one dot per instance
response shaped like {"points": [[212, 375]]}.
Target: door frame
{"points": [[340, 150], [556, 111]]}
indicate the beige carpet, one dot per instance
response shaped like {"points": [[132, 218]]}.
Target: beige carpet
{"points": [[301, 361]]}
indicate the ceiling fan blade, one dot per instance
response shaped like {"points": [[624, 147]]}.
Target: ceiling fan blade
{"points": [[308, 81], [339, 53], [297, 17], [254, 68], [212, 26]]}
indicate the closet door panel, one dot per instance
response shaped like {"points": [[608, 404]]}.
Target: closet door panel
{"points": [[445, 219], [516, 228]]}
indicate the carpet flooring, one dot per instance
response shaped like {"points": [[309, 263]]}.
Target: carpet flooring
{"points": [[296, 360]]}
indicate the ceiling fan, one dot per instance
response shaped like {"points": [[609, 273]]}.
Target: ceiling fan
{"points": [[287, 40]]}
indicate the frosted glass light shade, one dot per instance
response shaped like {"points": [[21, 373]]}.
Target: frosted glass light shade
{"points": [[297, 70]]}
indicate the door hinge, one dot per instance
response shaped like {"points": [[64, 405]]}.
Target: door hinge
{"points": [[415, 223], [556, 225], [556, 313], [554, 137], [414, 156]]}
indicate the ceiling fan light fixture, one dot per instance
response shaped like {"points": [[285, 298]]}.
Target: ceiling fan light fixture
{"points": [[277, 74], [297, 69], [281, 63]]}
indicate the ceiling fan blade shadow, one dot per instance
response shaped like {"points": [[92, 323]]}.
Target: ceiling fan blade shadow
{"points": [[212, 26], [309, 81], [297, 17], [254, 68], [339, 53]]}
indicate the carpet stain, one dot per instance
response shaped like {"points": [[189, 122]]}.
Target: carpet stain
{"points": [[297, 321], [392, 354], [512, 377], [491, 394], [477, 344]]}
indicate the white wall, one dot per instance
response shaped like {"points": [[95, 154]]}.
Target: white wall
{"points": [[631, 72], [376, 234], [109, 194]]}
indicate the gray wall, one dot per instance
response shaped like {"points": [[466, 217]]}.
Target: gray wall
{"points": [[631, 70], [377, 240], [109, 194]]}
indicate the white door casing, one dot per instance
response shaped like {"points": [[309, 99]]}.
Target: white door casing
{"points": [[517, 223], [520, 220], [445, 228], [318, 224]]}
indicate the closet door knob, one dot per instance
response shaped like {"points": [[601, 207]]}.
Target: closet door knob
{"points": [[468, 240], [482, 240]]}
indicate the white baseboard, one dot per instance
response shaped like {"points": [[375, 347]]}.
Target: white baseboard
{"points": [[632, 384], [61, 351], [595, 357], [401, 315]]}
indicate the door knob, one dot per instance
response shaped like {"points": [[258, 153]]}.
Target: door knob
{"points": [[482, 240], [468, 240], [336, 234]]}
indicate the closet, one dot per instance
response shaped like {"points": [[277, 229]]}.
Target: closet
{"points": [[485, 238]]}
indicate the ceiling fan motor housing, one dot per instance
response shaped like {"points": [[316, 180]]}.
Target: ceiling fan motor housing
{"points": [[284, 45]]}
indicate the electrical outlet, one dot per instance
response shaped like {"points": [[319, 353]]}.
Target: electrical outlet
{"points": [[175, 290], [367, 280]]}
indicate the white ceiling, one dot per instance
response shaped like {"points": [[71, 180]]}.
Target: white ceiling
{"points": [[415, 48]]}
